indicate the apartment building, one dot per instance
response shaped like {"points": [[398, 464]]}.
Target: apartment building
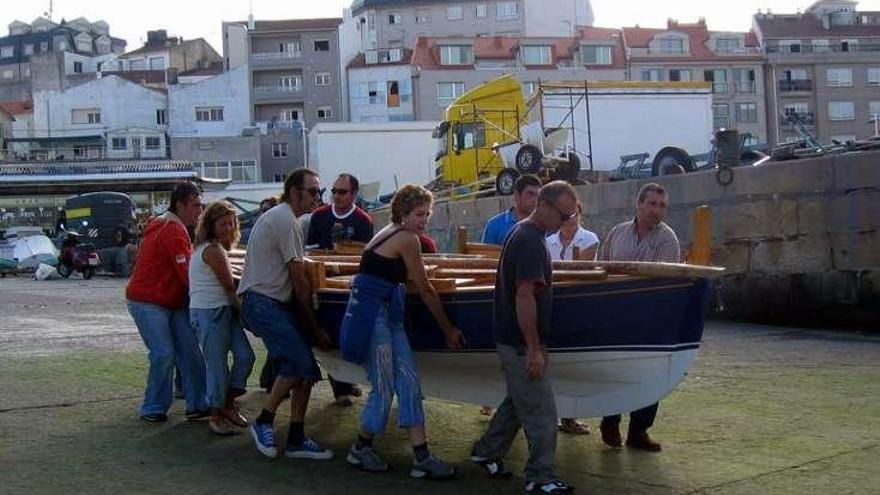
{"points": [[294, 82], [731, 61], [79, 39], [399, 23], [210, 126], [823, 65], [445, 68]]}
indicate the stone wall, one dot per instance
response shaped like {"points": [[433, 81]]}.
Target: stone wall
{"points": [[800, 239]]}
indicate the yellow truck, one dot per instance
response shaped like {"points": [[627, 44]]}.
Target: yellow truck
{"points": [[492, 133]]}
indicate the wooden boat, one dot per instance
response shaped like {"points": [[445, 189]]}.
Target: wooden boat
{"points": [[623, 335]]}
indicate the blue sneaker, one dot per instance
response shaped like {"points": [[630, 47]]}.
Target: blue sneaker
{"points": [[308, 449], [264, 438]]}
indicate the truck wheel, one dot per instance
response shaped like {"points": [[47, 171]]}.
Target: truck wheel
{"points": [[505, 181], [528, 159], [671, 155], [567, 171], [88, 272], [63, 270]]}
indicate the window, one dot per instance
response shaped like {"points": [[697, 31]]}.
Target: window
{"points": [[161, 117], [747, 112], [506, 10], [119, 143], [454, 13], [84, 46], [44, 46], [289, 115], [151, 142], [394, 18], [600, 55], [456, 55], [652, 75], [209, 114], [469, 136], [790, 46], [744, 80], [874, 110], [77, 67], [721, 115], [820, 46], [375, 97], [449, 91], [7, 51], [325, 113], [849, 45], [157, 63], [322, 79], [677, 75], [85, 116], [244, 171], [839, 78], [536, 55], [393, 99], [28, 49], [292, 48], [718, 78], [322, 45], [279, 150], [841, 110], [873, 76], [26, 70], [290, 84], [728, 45], [482, 10], [137, 64], [670, 45]]}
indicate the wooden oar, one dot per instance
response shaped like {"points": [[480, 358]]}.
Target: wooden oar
{"points": [[644, 268]]}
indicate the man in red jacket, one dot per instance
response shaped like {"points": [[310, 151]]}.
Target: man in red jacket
{"points": [[157, 300]]}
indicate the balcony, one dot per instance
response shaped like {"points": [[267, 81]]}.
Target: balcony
{"points": [[271, 94], [795, 85], [719, 87], [745, 86], [275, 59], [807, 48], [83, 154]]}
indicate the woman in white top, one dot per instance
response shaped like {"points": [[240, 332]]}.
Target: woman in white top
{"points": [[561, 246], [214, 309], [571, 235]]}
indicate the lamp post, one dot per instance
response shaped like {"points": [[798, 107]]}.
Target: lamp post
{"points": [[305, 146]]}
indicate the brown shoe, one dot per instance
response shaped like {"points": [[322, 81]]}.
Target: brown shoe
{"points": [[233, 414], [611, 434], [643, 441]]}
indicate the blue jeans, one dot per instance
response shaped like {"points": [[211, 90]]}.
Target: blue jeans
{"points": [[391, 369], [273, 322], [169, 339], [220, 332]]}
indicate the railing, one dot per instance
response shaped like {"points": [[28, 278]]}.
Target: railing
{"points": [[744, 86], [98, 168], [83, 154], [810, 49], [806, 118], [277, 90], [719, 87], [260, 56], [795, 85]]}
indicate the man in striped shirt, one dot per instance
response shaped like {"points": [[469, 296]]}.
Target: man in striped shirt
{"points": [[644, 238]]}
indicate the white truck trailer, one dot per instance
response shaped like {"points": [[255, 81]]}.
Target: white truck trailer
{"points": [[391, 154]]}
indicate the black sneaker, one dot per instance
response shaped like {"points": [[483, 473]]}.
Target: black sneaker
{"points": [[198, 414], [555, 486], [155, 418], [494, 467]]}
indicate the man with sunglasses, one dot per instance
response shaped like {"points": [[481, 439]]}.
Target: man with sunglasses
{"points": [[521, 328], [276, 306], [341, 220]]}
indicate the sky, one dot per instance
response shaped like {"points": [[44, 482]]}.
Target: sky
{"points": [[130, 20]]}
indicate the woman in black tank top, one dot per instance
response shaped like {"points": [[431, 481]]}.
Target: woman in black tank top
{"points": [[394, 255]]}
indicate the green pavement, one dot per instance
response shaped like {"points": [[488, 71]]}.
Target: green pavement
{"points": [[764, 410]]}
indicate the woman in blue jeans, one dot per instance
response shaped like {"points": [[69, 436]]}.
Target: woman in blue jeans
{"points": [[157, 300], [374, 322], [214, 309]]}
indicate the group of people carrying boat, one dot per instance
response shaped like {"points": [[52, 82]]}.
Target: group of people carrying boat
{"points": [[191, 312]]}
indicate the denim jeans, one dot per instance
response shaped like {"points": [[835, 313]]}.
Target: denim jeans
{"points": [[273, 322], [391, 369], [169, 340], [220, 332]]}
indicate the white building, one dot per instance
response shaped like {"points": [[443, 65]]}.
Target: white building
{"points": [[211, 126], [380, 86], [109, 117]]}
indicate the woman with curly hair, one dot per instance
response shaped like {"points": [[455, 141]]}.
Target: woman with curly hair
{"points": [[214, 309], [373, 335]]}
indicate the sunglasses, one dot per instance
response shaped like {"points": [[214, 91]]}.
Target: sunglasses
{"points": [[314, 191], [340, 192]]}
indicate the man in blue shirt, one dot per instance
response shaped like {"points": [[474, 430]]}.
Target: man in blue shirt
{"points": [[525, 199]]}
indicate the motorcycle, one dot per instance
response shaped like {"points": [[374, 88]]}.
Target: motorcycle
{"points": [[77, 257]]}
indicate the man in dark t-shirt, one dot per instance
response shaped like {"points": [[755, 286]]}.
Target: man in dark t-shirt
{"points": [[521, 328], [341, 220]]}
